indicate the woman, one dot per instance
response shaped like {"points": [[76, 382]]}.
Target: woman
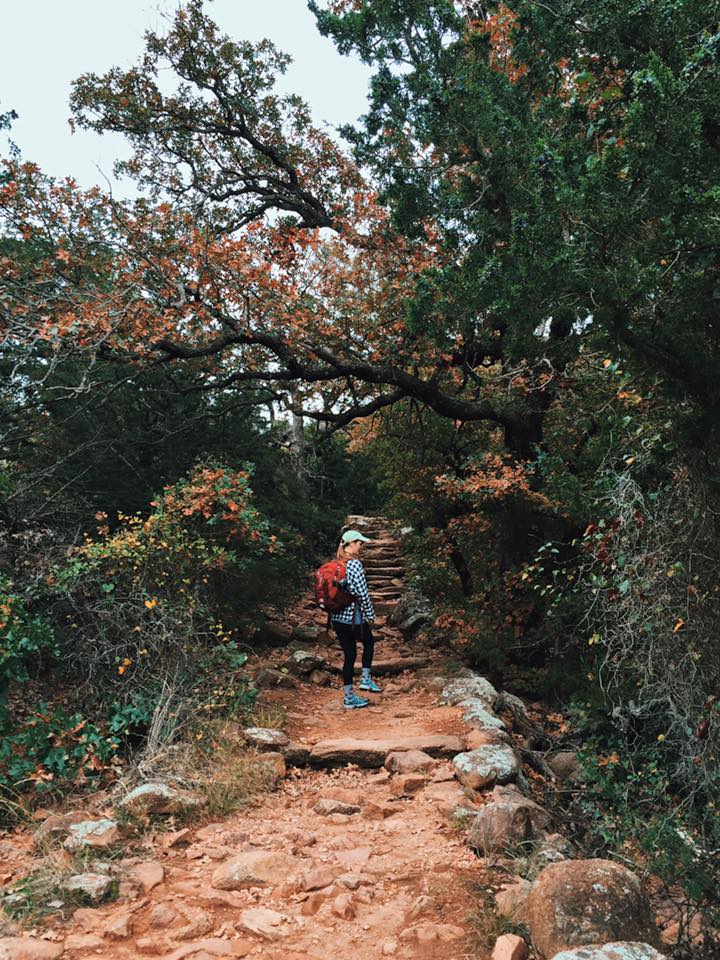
{"points": [[354, 621]]}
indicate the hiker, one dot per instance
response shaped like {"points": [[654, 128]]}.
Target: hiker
{"points": [[354, 620]]}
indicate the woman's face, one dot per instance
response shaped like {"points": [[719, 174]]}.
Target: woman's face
{"points": [[354, 548]]}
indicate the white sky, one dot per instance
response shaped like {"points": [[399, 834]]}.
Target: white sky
{"points": [[46, 44]]}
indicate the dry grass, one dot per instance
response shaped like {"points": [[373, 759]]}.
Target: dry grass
{"points": [[486, 924], [42, 891]]}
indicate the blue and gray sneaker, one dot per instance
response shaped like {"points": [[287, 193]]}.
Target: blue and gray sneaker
{"points": [[351, 701], [369, 684]]}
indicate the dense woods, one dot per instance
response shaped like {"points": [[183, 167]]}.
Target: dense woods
{"points": [[491, 310]]}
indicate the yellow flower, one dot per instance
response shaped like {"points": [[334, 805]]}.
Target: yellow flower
{"points": [[151, 603], [661, 737]]}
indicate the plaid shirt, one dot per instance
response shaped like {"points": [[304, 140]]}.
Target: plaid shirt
{"points": [[358, 587]]}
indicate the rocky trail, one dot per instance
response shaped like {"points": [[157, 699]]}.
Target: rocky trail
{"points": [[362, 849]]}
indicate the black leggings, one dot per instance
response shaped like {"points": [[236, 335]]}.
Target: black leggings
{"points": [[348, 634]]}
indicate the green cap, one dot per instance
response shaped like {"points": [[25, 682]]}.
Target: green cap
{"points": [[350, 536]]}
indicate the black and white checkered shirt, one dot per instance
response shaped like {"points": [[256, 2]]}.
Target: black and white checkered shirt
{"points": [[358, 587]]}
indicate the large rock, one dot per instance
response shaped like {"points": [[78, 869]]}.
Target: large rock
{"points": [[26, 948], [58, 825], [509, 947], [372, 753], [474, 687], [486, 766], [509, 819], [265, 738], [267, 677], [581, 902], [157, 798], [624, 950], [257, 868], [411, 612]]}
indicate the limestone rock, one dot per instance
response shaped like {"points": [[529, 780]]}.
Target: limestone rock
{"points": [[487, 765], [157, 798], [507, 820], [470, 688], [265, 738], [622, 950], [99, 834], [27, 948], [509, 947], [409, 761], [91, 887], [257, 868], [582, 902]]}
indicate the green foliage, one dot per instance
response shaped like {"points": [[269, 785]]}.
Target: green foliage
{"points": [[24, 639], [52, 749]]}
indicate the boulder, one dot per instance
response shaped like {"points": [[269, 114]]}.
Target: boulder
{"points": [[509, 819], [98, 834], [256, 868], [409, 761], [410, 613], [303, 663], [486, 766], [581, 902], [27, 948], [372, 753], [622, 950], [157, 798], [265, 738], [89, 887], [474, 687]]}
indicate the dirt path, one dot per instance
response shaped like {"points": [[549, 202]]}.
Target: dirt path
{"points": [[375, 870]]}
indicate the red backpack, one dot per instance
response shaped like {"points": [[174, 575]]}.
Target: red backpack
{"points": [[329, 594]]}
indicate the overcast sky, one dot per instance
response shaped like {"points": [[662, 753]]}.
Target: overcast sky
{"points": [[46, 44]]}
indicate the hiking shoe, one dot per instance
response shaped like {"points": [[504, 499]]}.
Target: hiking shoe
{"points": [[370, 685], [352, 701]]}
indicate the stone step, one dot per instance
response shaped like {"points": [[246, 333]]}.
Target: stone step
{"points": [[372, 753]]}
